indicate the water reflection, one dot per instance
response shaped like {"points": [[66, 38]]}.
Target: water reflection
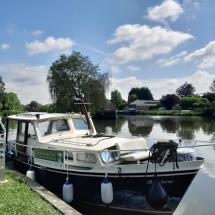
{"points": [[190, 128], [110, 126], [139, 127], [181, 127]]}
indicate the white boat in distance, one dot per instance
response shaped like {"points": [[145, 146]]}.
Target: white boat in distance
{"points": [[57, 146]]}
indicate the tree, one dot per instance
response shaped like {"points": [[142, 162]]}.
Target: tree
{"points": [[185, 90], [209, 96], [2, 89], [2, 86], [193, 101], [116, 98], [132, 98], [11, 102], [142, 93], [34, 106], [75, 75], [169, 101], [212, 87]]}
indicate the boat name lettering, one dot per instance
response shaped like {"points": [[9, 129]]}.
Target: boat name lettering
{"points": [[162, 182]]}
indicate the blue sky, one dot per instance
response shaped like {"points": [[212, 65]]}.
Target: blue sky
{"points": [[155, 43]]}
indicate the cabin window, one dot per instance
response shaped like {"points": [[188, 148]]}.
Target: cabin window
{"points": [[1, 129], [21, 131], [86, 157], [53, 126], [31, 131], [69, 156], [80, 124]]}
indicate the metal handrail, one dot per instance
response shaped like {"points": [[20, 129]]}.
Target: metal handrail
{"points": [[116, 150]]}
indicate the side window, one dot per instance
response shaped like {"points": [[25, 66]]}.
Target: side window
{"points": [[44, 128], [53, 126], [69, 156], [31, 131], [86, 157], [21, 131], [60, 125]]}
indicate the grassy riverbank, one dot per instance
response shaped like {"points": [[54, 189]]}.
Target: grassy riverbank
{"points": [[17, 198], [172, 112]]}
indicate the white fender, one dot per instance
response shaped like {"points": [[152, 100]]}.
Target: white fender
{"points": [[31, 174], [68, 191], [106, 191]]}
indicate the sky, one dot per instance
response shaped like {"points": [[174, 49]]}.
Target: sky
{"points": [[159, 44]]}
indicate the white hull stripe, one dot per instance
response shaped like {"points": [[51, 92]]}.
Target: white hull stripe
{"points": [[116, 175]]}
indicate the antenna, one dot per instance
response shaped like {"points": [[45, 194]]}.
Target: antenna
{"points": [[84, 109]]}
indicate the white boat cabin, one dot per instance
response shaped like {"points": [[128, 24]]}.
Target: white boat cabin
{"points": [[70, 134]]}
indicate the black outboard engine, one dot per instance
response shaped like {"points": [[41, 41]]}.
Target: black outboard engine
{"points": [[164, 151]]}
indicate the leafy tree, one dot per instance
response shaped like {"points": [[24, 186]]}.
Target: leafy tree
{"points": [[209, 96], [44, 108], [132, 98], [2, 89], [34, 106], [72, 76], [212, 87], [192, 101], [116, 99], [142, 93], [185, 90], [2, 86], [169, 101], [11, 102]]}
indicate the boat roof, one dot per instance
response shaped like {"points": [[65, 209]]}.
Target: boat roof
{"points": [[42, 116]]}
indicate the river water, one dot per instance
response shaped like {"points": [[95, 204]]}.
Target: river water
{"points": [[200, 197]]}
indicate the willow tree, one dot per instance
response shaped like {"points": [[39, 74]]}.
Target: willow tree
{"points": [[73, 76]]}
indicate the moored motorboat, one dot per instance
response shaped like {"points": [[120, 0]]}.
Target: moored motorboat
{"points": [[66, 146]]}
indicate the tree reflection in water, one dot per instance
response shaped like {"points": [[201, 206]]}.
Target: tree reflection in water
{"points": [[110, 126], [185, 127], [139, 126]]}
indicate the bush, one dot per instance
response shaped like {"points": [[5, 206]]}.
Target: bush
{"points": [[193, 102]]}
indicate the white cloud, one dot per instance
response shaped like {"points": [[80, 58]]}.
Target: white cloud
{"points": [[169, 9], [205, 57], [115, 69], [4, 46], [37, 32], [141, 42], [29, 82], [49, 44], [161, 87], [133, 68], [165, 62]]}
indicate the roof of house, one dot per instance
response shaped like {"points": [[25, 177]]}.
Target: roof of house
{"points": [[139, 102]]}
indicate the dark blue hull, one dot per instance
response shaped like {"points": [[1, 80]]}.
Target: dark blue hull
{"points": [[87, 188]]}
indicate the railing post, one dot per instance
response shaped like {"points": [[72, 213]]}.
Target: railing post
{"points": [[2, 159]]}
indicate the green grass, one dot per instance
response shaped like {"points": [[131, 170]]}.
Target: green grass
{"points": [[172, 112], [16, 198]]}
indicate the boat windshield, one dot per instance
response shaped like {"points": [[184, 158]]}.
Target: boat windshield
{"points": [[80, 124], [53, 126]]}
